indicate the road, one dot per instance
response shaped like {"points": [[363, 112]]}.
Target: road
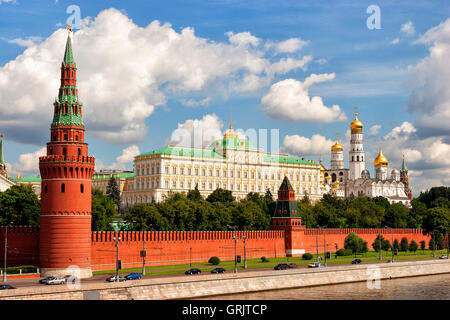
{"points": [[101, 278]]}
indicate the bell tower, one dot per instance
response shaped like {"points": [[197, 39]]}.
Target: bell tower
{"points": [[66, 171]]}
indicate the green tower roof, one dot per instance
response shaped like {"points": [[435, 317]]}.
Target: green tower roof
{"points": [[68, 55]]}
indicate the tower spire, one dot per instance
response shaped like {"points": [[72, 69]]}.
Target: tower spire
{"points": [[231, 115], [2, 156]]}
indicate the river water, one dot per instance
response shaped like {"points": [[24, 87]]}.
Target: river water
{"points": [[434, 287]]}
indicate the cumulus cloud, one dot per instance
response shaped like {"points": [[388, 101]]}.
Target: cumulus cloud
{"points": [[287, 46], [122, 162], [195, 103], [125, 72], [395, 41], [408, 28], [289, 100], [27, 164], [428, 158], [316, 145], [27, 42], [373, 131], [197, 132], [430, 97]]}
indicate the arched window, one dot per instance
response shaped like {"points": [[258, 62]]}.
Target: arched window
{"points": [[82, 188], [79, 151], [64, 152], [46, 188], [353, 158], [357, 158], [65, 137], [63, 187], [362, 158], [50, 151], [76, 137]]}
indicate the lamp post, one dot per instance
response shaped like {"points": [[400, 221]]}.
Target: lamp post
{"points": [[190, 257], [117, 257], [235, 244], [144, 252], [317, 244], [379, 248], [6, 250], [392, 247], [245, 252]]}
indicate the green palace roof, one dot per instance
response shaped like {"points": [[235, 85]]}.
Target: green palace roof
{"points": [[27, 179], [103, 176], [232, 143], [183, 151]]}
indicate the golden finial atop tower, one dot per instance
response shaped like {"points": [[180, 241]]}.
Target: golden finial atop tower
{"points": [[69, 27], [231, 134], [356, 124], [337, 146]]}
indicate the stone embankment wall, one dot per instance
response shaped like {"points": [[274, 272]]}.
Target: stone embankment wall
{"points": [[208, 285]]}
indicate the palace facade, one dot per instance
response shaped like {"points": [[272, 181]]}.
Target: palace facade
{"points": [[230, 163]]}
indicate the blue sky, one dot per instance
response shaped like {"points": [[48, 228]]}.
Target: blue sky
{"points": [[373, 69]]}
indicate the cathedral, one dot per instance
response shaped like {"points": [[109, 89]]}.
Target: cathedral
{"points": [[356, 180]]}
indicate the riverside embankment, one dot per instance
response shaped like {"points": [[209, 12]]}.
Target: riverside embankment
{"points": [[223, 284]]}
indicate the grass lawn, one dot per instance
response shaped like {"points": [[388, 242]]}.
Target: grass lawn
{"points": [[257, 263]]}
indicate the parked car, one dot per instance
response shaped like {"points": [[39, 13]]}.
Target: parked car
{"points": [[390, 261], [292, 265], [315, 265], [56, 281], [44, 280], [6, 287], [281, 266], [193, 271], [356, 261], [71, 278], [443, 257], [133, 276], [113, 279], [218, 270]]}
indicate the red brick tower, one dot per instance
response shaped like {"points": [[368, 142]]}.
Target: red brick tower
{"points": [[287, 218], [66, 171], [404, 179]]}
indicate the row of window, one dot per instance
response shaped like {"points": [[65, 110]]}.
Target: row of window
{"points": [[63, 188]]}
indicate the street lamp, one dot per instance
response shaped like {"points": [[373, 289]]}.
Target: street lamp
{"points": [[245, 252], [379, 248], [392, 248], [317, 243], [6, 250], [117, 257], [144, 252], [324, 245], [235, 244], [434, 247]]}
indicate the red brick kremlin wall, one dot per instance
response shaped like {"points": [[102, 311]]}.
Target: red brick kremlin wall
{"points": [[181, 247]]}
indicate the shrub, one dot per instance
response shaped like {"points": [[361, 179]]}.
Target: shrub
{"points": [[344, 252], [214, 260], [307, 256], [25, 269], [264, 259]]}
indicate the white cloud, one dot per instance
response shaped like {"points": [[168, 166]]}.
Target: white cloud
{"points": [[27, 165], [321, 61], [125, 72], [197, 132], [289, 100], [317, 145], [28, 42], [408, 28], [395, 41], [431, 95], [374, 130], [195, 103], [242, 39], [123, 162], [287, 46]]}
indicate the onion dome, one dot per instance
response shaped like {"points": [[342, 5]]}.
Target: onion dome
{"points": [[356, 125], [394, 172], [336, 146], [336, 182], [380, 160], [230, 134], [365, 174]]}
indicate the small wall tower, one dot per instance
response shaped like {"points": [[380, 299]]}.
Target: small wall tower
{"points": [[356, 152], [286, 217], [66, 172]]}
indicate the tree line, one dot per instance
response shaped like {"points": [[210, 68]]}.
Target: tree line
{"points": [[430, 211]]}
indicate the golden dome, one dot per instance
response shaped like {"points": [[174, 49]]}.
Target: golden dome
{"points": [[230, 134], [336, 146], [356, 124], [380, 160], [336, 182]]}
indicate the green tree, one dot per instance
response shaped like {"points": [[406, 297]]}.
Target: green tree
{"points": [[113, 192], [431, 244], [194, 194], [19, 205], [103, 211], [396, 245], [355, 243], [413, 246], [386, 245], [376, 243], [220, 195], [429, 196], [396, 216], [436, 219], [422, 245], [404, 244]]}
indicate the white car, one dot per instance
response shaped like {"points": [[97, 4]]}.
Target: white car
{"points": [[443, 257], [56, 281], [315, 265]]}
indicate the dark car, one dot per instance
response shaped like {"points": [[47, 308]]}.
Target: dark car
{"points": [[6, 287], [44, 280], [281, 266], [292, 265], [193, 271], [356, 261], [218, 270], [390, 261], [133, 276]]}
